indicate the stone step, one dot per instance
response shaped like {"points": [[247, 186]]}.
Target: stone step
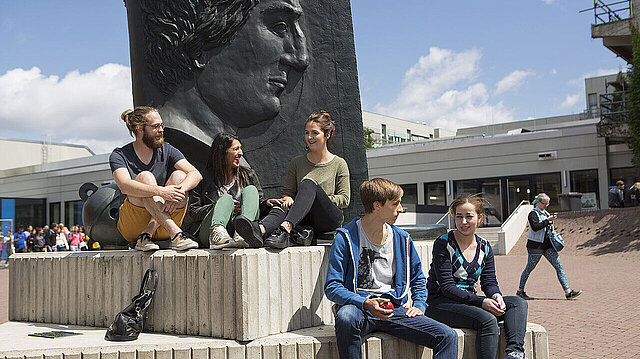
{"points": [[310, 343], [239, 294]]}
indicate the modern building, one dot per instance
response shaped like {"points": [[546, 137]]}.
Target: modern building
{"points": [[388, 129], [511, 162]]}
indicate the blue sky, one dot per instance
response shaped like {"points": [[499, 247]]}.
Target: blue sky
{"points": [[64, 64]]}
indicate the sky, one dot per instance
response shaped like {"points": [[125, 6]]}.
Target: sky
{"points": [[65, 75]]}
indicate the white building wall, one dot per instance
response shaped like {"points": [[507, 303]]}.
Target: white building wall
{"points": [[578, 148], [18, 153]]}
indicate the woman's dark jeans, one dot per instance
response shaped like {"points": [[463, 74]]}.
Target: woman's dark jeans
{"points": [[459, 315], [311, 206]]}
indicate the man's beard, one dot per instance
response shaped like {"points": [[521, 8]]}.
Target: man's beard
{"points": [[151, 141]]}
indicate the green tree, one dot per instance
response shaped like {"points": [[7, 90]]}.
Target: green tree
{"points": [[369, 142], [633, 99]]}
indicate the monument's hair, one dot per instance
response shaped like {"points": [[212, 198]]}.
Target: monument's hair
{"points": [[475, 199], [378, 190], [323, 119], [178, 34], [136, 117]]}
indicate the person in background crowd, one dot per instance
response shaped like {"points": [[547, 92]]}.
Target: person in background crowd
{"points": [[539, 244], [38, 240], [64, 230], [49, 238], [74, 239], [31, 239], [8, 245], [20, 241], [634, 194], [616, 196], [62, 244]]}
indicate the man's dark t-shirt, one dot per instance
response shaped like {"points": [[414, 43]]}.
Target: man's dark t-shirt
{"points": [[162, 163]]}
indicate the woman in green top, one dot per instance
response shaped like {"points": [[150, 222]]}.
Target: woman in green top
{"points": [[316, 188]]}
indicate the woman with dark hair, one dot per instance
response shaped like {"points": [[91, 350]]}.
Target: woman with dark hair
{"points": [[228, 189], [316, 189]]}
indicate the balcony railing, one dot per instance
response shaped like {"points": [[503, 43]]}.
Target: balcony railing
{"points": [[610, 12], [613, 107]]}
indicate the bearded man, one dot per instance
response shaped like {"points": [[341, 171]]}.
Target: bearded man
{"points": [[155, 177]]}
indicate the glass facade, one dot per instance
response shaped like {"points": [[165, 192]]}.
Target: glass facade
{"points": [[73, 213], [410, 193], [586, 182], [435, 194], [29, 212], [54, 212], [550, 183]]}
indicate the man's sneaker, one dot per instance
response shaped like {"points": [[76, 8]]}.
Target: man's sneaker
{"points": [[515, 355], [279, 239], [522, 294], [182, 242], [573, 294], [249, 230], [145, 243], [218, 235]]}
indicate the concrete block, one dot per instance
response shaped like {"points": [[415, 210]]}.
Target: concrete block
{"points": [[239, 294], [127, 354], [143, 354]]}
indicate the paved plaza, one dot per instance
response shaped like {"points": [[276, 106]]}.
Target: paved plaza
{"points": [[601, 323]]}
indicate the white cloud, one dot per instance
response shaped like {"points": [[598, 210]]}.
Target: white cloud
{"points": [[440, 90], [554, 71], [80, 108], [512, 81], [549, 2], [571, 100]]}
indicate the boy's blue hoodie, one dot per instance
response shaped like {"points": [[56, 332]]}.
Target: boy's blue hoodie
{"points": [[340, 286]]}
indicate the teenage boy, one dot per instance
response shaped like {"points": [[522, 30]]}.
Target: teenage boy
{"points": [[155, 177], [373, 264]]}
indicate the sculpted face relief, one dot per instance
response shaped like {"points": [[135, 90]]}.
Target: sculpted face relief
{"points": [[242, 82]]}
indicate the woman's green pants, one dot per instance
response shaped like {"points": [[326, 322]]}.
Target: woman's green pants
{"points": [[222, 212]]}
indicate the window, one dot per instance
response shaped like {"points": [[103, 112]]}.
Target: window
{"points": [[410, 193], [593, 104], [435, 194], [384, 132], [54, 212], [408, 134], [586, 182], [73, 213], [550, 184], [29, 212], [466, 186]]}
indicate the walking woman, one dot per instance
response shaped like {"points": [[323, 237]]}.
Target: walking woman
{"points": [[228, 189], [316, 189], [539, 244], [460, 259]]}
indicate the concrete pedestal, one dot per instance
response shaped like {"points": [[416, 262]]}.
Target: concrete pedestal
{"points": [[240, 294]]}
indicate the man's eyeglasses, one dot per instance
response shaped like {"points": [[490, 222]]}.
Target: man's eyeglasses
{"points": [[156, 127]]}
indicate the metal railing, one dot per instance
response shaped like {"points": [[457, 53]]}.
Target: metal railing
{"points": [[446, 215], [613, 107], [610, 12]]}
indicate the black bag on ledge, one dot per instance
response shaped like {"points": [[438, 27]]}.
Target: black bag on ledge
{"points": [[129, 323]]}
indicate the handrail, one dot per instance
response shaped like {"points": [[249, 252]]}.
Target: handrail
{"points": [[523, 202], [448, 221], [607, 9]]}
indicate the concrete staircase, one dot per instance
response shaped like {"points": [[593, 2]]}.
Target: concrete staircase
{"points": [[490, 234]]}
